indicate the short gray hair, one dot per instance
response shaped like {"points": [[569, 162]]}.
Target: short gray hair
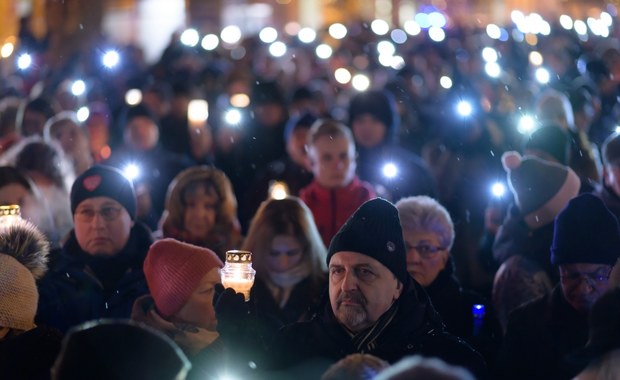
{"points": [[426, 214]]}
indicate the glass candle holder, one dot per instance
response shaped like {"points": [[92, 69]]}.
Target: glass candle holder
{"points": [[238, 272], [8, 215]]}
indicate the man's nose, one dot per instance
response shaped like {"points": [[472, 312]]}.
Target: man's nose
{"points": [[349, 282]]}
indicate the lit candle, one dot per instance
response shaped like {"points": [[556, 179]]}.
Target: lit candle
{"points": [[278, 190], [197, 113], [8, 215], [238, 272]]}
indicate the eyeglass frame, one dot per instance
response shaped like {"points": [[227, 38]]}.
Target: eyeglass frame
{"points": [[81, 214], [593, 279], [426, 251]]}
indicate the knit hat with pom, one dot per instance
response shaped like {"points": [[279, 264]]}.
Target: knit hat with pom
{"points": [[541, 188], [173, 270]]}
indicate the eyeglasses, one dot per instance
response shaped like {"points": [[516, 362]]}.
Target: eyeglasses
{"points": [[108, 214], [593, 279], [426, 250]]}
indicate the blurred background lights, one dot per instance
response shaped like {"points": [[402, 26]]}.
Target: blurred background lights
{"points": [[397, 62], [493, 31], [498, 189], [566, 22], [7, 50], [232, 116], [360, 82], [24, 61], [210, 42], [133, 97], [292, 28], [526, 125], [78, 87], [390, 170], [131, 171], [306, 35], [422, 20], [464, 108], [380, 27], [231, 34], [437, 19], [580, 27], [268, 35], [190, 37], [542, 75], [536, 58], [111, 58], [606, 19], [277, 49], [386, 48], [342, 75], [445, 82], [337, 31], [436, 34], [239, 100], [323, 51], [489, 54], [517, 17], [412, 28], [82, 114], [493, 69], [398, 36]]}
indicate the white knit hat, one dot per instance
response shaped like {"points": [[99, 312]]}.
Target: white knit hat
{"points": [[18, 295]]}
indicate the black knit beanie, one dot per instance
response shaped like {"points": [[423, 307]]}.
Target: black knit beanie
{"points": [[104, 181], [374, 230], [585, 232], [379, 104]]}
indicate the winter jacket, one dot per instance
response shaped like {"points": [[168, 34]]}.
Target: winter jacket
{"points": [[609, 197], [415, 329], [332, 207], [539, 337], [29, 355], [71, 293]]}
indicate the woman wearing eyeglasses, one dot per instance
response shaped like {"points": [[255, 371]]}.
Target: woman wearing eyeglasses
{"points": [[429, 233], [289, 257]]}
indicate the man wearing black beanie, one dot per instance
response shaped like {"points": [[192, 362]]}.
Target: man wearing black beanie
{"points": [[541, 334], [374, 306]]}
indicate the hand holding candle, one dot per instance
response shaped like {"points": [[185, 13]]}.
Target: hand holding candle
{"points": [[238, 272]]}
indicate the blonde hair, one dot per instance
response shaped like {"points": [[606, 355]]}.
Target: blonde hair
{"points": [[288, 216], [329, 128]]}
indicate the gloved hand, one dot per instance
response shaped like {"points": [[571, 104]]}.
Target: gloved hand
{"points": [[231, 310]]}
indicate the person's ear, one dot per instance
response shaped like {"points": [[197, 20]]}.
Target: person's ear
{"points": [[398, 291]]}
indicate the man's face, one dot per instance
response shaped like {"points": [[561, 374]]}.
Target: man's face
{"points": [[582, 284], [361, 289], [332, 161], [141, 133], [102, 226], [612, 178], [425, 255], [199, 310], [368, 131]]}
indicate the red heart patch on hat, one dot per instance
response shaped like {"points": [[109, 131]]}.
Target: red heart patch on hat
{"points": [[90, 183]]}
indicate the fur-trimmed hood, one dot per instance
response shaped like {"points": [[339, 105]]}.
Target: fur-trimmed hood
{"points": [[23, 241]]}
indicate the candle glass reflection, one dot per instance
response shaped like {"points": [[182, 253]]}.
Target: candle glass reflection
{"points": [[238, 272]]}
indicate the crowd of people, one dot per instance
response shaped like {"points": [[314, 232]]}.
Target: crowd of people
{"points": [[379, 250]]}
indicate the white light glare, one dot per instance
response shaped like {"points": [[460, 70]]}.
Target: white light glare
{"points": [[498, 189], [323, 51], [231, 34], [493, 69], [82, 114], [436, 34], [606, 19], [566, 22], [268, 35], [239, 100], [542, 75], [390, 170], [536, 58], [131, 171], [210, 42], [133, 97], [580, 27], [445, 82], [232, 116], [277, 49], [198, 110], [526, 125], [342, 75], [386, 48], [617, 130], [380, 27], [24, 61], [337, 31], [78, 87], [306, 35], [464, 108], [7, 50], [190, 37], [360, 82], [398, 36], [489, 54], [412, 28], [493, 31], [111, 58]]}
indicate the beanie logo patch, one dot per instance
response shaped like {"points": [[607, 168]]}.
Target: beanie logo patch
{"points": [[391, 247], [91, 182]]}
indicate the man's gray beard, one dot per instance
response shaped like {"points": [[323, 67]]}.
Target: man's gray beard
{"points": [[352, 317]]}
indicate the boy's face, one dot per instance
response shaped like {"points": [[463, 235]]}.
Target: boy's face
{"points": [[332, 160]]}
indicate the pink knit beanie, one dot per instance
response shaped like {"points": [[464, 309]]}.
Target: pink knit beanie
{"points": [[173, 271]]}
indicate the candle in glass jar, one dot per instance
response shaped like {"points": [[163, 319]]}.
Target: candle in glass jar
{"points": [[238, 272]]}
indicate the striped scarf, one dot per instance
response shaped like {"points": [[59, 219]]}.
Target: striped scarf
{"points": [[365, 341]]}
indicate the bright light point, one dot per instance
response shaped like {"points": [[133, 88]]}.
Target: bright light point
{"points": [[360, 82], [210, 42], [385, 60], [436, 34], [323, 51], [492, 69], [397, 62], [498, 189], [231, 34], [278, 190], [617, 130], [398, 36], [337, 31], [232, 116], [306, 35], [489, 54], [133, 97], [239, 100], [445, 82], [526, 125], [536, 58], [566, 22], [82, 114], [7, 50], [268, 35], [386, 48], [437, 19], [606, 19], [190, 37], [78, 87], [517, 17], [342, 75], [198, 110], [292, 28], [111, 59], [412, 28], [464, 108], [580, 27], [131, 171], [542, 75], [422, 20], [390, 170], [24, 61], [545, 28], [277, 49], [380, 27], [493, 31]]}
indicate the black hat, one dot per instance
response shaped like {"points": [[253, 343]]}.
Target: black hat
{"points": [[585, 231], [374, 230], [379, 104], [552, 140], [104, 181]]}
